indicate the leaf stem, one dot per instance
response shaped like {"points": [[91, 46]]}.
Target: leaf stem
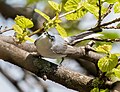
{"points": [[67, 13], [35, 32]]}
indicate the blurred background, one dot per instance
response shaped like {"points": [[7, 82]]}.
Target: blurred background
{"points": [[15, 79]]}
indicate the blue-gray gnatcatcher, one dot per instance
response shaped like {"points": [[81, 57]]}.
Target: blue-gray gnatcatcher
{"points": [[51, 45]]}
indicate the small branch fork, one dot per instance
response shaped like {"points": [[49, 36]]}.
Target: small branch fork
{"points": [[108, 11], [99, 27]]}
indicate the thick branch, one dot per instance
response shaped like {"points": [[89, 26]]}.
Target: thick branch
{"points": [[73, 52], [42, 67], [27, 47]]}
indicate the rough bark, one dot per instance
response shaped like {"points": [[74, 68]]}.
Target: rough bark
{"points": [[43, 68]]}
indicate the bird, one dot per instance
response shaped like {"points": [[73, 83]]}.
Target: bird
{"points": [[50, 45]]}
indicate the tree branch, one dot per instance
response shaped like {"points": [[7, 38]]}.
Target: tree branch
{"points": [[71, 51], [25, 46], [42, 67], [108, 11], [99, 5]]}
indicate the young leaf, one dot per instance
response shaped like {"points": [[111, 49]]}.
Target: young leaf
{"points": [[117, 72], [61, 30], [23, 22], [91, 8], [76, 15], [118, 25], [104, 90], [104, 48], [95, 90], [55, 5], [43, 14], [107, 63], [71, 5], [111, 1], [20, 38], [117, 7], [31, 1], [17, 29], [93, 2], [117, 54], [77, 9], [29, 39]]}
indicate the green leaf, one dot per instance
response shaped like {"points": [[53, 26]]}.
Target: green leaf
{"points": [[61, 30], [118, 25], [93, 2], [118, 67], [107, 63], [111, 75], [58, 21], [104, 48], [55, 5], [31, 1], [77, 9], [29, 39], [91, 8], [23, 22], [20, 38], [104, 90], [110, 34], [111, 1], [95, 90], [117, 54], [76, 15], [103, 10], [117, 7], [117, 72], [72, 5], [17, 29], [43, 14]]}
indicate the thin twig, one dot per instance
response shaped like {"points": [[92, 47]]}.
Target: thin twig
{"points": [[108, 11], [5, 30], [102, 25], [99, 5], [104, 40], [96, 39], [111, 22], [111, 27], [37, 31]]}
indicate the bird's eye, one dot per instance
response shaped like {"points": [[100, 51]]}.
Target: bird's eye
{"points": [[52, 38], [45, 33]]}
